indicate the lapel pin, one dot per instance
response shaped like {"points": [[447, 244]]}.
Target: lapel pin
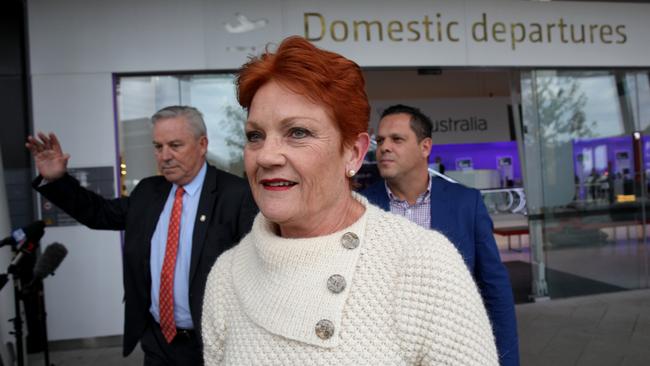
{"points": [[202, 218]]}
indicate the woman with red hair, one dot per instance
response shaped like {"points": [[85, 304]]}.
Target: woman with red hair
{"points": [[325, 278]]}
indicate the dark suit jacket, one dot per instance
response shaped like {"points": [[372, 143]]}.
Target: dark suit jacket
{"points": [[460, 214], [225, 201]]}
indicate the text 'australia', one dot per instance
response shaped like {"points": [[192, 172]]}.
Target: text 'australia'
{"points": [[461, 124]]}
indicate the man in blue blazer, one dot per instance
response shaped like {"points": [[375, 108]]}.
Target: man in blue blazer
{"points": [[403, 147]]}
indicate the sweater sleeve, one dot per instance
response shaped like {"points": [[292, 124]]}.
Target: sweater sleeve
{"points": [[213, 324], [442, 309]]}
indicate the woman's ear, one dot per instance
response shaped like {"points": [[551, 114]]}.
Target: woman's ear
{"points": [[357, 152]]}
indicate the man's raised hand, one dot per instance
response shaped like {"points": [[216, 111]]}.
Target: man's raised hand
{"points": [[50, 160]]}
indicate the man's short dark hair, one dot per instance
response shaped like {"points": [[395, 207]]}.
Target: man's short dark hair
{"points": [[420, 123]]}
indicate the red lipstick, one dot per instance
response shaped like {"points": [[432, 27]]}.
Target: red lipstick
{"points": [[277, 184]]}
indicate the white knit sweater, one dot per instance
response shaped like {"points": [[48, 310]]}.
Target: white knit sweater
{"points": [[408, 300]]}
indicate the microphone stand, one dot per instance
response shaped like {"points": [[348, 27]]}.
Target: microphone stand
{"points": [[43, 318], [18, 321]]}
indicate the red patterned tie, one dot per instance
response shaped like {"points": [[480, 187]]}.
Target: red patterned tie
{"points": [[166, 304]]}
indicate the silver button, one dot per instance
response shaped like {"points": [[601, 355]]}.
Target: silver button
{"points": [[336, 283], [350, 240], [324, 329]]}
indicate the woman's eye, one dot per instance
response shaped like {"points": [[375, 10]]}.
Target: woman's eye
{"points": [[253, 136], [299, 133]]}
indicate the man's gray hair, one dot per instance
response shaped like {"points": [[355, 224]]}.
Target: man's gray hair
{"points": [[191, 114]]}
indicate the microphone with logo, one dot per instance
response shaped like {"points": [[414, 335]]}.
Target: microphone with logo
{"points": [[33, 231], [25, 242]]}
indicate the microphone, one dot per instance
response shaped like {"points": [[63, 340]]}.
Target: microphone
{"points": [[33, 231], [27, 240], [49, 261]]}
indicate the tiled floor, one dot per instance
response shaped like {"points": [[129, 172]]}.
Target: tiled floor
{"points": [[610, 329]]}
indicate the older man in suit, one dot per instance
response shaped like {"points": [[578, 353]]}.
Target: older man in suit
{"points": [[176, 225], [403, 148]]}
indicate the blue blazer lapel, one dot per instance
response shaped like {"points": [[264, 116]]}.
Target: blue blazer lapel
{"points": [[442, 218]]}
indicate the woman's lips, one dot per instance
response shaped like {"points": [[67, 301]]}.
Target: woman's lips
{"points": [[277, 184]]}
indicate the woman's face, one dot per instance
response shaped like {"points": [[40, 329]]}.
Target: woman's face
{"points": [[294, 162]]}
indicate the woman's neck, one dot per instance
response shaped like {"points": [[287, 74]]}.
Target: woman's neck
{"points": [[335, 218]]}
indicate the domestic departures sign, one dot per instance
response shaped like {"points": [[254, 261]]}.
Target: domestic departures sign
{"points": [[435, 28]]}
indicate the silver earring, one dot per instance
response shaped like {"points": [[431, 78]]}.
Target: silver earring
{"points": [[351, 173]]}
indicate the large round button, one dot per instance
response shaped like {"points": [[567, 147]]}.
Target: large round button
{"points": [[350, 240], [324, 329], [336, 283]]}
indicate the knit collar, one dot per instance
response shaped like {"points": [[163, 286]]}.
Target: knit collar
{"points": [[282, 283]]}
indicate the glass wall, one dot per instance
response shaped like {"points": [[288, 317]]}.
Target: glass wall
{"points": [[138, 98], [587, 164]]}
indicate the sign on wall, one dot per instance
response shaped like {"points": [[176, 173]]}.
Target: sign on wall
{"points": [[222, 34], [457, 121], [441, 33]]}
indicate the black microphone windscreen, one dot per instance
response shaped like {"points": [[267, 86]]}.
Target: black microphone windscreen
{"points": [[50, 260]]}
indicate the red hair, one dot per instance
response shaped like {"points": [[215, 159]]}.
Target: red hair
{"points": [[323, 77]]}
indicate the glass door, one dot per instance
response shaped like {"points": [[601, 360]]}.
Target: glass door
{"points": [[586, 173]]}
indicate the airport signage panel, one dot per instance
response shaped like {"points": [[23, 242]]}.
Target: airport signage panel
{"points": [[386, 33]]}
